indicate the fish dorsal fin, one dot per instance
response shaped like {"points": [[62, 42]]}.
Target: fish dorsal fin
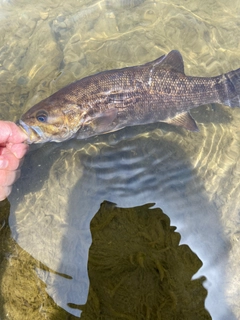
{"points": [[172, 61], [184, 120]]}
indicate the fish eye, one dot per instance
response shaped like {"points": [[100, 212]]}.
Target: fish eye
{"points": [[42, 116]]}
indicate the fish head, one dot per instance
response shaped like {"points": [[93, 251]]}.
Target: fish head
{"points": [[49, 121]]}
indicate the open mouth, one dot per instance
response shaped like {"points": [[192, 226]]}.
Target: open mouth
{"points": [[34, 133]]}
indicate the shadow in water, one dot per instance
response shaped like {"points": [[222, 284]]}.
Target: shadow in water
{"points": [[58, 195], [138, 270]]}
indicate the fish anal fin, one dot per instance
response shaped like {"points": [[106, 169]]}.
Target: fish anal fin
{"points": [[172, 61], [184, 120], [101, 121]]}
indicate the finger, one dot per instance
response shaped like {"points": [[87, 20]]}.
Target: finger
{"points": [[3, 162], [9, 162], [10, 132], [7, 178], [5, 192], [19, 149]]}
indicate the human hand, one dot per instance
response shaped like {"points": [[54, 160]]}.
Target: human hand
{"points": [[12, 151]]}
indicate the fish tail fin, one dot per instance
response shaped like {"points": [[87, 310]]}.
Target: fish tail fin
{"points": [[231, 91]]}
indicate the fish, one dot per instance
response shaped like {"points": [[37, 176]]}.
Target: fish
{"points": [[158, 91]]}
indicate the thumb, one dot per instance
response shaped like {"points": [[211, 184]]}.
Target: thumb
{"points": [[11, 133]]}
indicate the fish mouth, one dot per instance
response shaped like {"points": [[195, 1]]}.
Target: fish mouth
{"points": [[34, 133]]}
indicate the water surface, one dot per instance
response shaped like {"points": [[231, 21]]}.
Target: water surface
{"points": [[192, 177]]}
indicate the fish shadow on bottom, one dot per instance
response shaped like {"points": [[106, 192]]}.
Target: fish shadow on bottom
{"points": [[137, 268]]}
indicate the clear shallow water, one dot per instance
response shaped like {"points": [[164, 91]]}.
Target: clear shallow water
{"points": [[192, 177]]}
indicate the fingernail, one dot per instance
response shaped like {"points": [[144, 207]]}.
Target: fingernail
{"points": [[3, 163]]}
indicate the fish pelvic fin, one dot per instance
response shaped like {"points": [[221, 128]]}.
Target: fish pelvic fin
{"points": [[184, 120], [229, 90]]}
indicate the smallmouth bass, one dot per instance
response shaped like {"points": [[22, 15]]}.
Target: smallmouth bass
{"points": [[158, 91]]}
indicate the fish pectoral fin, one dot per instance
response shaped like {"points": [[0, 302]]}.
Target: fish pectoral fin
{"points": [[102, 120], [184, 120]]}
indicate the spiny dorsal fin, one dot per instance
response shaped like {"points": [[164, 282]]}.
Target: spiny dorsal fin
{"points": [[172, 61], [184, 120]]}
